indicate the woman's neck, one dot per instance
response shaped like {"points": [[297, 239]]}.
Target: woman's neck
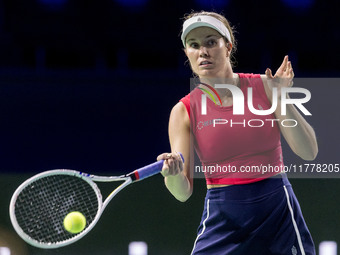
{"points": [[231, 78]]}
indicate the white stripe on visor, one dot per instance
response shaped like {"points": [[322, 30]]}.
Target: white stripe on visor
{"points": [[204, 21]]}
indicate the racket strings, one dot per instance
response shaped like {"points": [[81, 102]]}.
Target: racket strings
{"points": [[42, 206]]}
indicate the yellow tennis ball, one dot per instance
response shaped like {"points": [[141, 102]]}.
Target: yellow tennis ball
{"points": [[74, 222]]}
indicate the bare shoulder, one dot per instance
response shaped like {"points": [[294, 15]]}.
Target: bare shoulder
{"points": [[179, 108], [179, 115]]}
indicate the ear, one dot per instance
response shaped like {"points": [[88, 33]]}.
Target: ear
{"points": [[229, 47]]}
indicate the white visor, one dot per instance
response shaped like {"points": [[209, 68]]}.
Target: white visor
{"points": [[204, 21]]}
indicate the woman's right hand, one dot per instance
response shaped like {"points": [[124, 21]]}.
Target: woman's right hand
{"points": [[173, 164]]}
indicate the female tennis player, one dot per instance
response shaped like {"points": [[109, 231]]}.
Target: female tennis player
{"points": [[244, 213]]}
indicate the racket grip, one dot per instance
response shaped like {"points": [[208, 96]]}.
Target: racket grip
{"points": [[148, 170]]}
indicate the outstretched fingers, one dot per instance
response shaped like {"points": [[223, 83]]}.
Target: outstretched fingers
{"points": [[283, 68], [290, 72], [269, 73]]}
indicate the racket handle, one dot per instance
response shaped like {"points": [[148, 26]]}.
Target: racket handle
{"points": [[148, 170]]}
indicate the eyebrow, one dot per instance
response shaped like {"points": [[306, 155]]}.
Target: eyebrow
{"points": [[193, 39]]}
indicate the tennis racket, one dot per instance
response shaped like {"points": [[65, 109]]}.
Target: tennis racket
{"points": [[40, 204]]}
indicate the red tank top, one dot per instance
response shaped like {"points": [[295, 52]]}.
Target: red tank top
{"points": [[235, 149]]}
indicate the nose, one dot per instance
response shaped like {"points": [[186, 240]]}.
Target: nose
{"points": [[203, 51]]}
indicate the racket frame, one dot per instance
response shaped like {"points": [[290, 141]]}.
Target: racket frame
{"points": [[90, 179]]}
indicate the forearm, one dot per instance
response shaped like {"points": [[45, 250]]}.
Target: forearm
{"points": [[300, 138], [176, 172], [179, 186]]}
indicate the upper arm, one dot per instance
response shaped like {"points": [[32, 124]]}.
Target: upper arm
{"points": [[179, 135]]}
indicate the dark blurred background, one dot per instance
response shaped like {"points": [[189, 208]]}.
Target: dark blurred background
{"points": [[89, 85]]}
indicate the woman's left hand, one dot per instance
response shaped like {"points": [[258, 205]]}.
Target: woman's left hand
{"points": [[283, 76]]}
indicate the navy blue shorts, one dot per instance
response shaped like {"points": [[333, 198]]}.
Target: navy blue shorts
{"points": [[260, 218]]}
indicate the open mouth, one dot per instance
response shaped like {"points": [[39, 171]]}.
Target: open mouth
{"points": [[205, 63]]}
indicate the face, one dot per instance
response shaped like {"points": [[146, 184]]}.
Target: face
{"points": [[208, 53]]}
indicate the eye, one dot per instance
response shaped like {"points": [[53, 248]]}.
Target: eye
{"points": [[211, 42], [194, 45]]}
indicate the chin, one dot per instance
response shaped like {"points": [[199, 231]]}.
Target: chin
{"points": [[207, 74]]}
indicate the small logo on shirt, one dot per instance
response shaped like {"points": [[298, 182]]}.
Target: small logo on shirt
{"points": [[202, 124]]}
